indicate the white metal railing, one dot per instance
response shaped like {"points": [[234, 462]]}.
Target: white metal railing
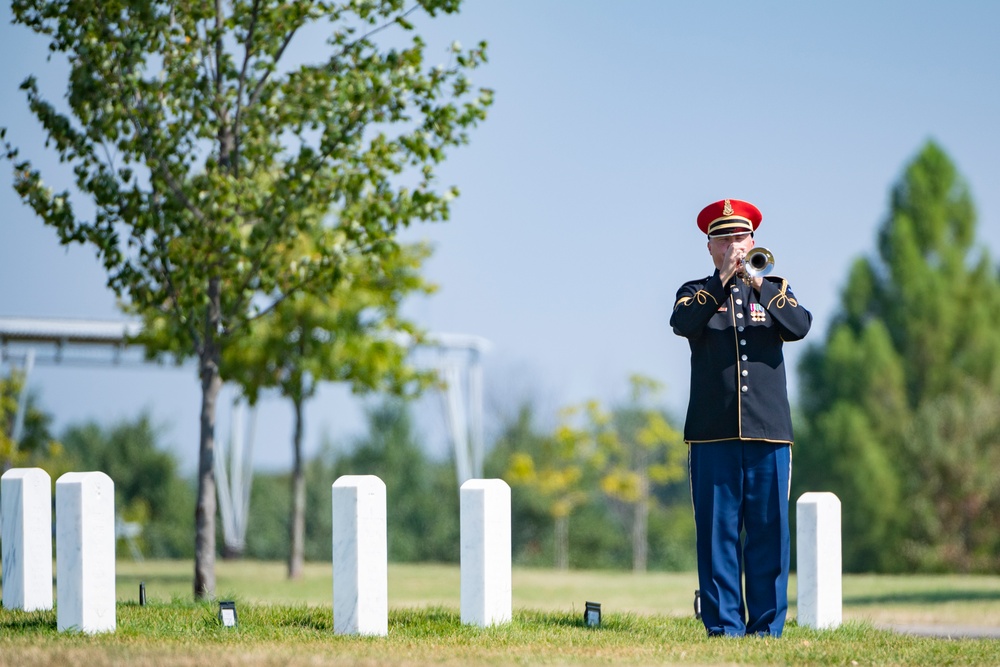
{"points": [[457, 358]]}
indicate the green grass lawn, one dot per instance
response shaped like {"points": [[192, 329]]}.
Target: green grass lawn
{"points": [[940, 599], [647, 619]]}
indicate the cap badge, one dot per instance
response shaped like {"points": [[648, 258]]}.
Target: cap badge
{"points": [[727, 209]]}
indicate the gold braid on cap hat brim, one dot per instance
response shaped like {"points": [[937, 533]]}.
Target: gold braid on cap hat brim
{"points": [[729, 222]]}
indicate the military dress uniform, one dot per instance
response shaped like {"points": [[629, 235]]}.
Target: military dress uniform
{"points": [[739, 432]]}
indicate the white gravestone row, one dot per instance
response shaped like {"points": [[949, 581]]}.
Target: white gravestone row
{"points": [[85, 546], [360, 558], [360, 583], [85, 552]]}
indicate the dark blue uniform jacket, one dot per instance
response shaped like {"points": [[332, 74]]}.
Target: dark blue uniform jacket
{"points": [[738, 387]]}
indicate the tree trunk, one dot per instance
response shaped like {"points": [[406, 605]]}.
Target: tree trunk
{"points": [[297, 525], [204, 542], [640, 534], [204, 514], [562, 543], [640, 517]]}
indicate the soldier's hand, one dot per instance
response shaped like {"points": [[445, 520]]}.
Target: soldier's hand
{"points": [[731, 263]]}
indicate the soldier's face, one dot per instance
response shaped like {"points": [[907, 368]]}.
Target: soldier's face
{"points": [[721, 246]]}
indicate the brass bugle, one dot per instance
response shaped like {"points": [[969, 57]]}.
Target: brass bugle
{"points": [[758, 262]]}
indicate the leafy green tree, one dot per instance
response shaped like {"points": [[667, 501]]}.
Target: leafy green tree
{"points": [[854, 407], [559, 472], [913, 340], [267, 529], [632, 448], [642, 450], [350, 335], [36, 442], [596, 539], [148, 488], [423, 523], [531, 521], [953, 446], [423, 520], [205, 156], [37, 447]]}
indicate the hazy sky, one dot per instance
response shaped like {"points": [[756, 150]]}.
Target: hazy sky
{"points": [[614, 124]]}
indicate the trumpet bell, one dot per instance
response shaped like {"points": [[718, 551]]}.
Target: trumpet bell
{"points": [[758, 262]]}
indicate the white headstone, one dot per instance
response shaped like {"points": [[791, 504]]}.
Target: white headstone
{"points": [[818, 562], [26, 511], [485, 552], [360, 557], [85, 552]]}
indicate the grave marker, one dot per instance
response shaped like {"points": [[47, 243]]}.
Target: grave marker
{"points": [[485, 552], [26, 511], [85, 552], [818, 562], [360, 556]]}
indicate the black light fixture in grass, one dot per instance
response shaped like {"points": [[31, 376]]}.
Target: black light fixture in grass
{"points": [[592, 614], [227, 613]]}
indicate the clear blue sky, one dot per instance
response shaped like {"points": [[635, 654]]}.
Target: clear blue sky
{"points": [[614, 123]]}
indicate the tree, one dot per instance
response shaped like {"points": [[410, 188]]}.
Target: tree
{"points": [[423, 525], [953, 446], [854, 406], [912, 346], [206, 155], [148, 488], [641, 450], [558, 469], [530, 519], [632, 448], [351, 335], [36, 441], [600, 468]]}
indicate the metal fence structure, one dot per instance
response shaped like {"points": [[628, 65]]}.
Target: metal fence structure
{"points": [[457, 358]]}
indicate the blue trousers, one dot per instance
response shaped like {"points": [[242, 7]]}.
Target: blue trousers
{"points": [[740, 494]]}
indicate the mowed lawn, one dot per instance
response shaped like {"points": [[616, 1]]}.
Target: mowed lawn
{"points": [[879, 599], [648, 620]]}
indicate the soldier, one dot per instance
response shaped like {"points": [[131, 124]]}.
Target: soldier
{"points": [[738, 426]]}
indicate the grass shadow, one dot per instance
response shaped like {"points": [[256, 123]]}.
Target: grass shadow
{"points": [[16, 621]]}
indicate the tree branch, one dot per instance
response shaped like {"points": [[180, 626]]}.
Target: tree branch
{"points": [[259, 88], [248, 50], [219, 21], [284, 296]]}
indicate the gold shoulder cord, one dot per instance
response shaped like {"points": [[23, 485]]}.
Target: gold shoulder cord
{"points": [[782, 298], [699, 296]]}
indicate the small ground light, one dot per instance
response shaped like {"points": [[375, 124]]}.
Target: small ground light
{"points": [[697, 604], [227, 613], [592, 614], [142, 593]]}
